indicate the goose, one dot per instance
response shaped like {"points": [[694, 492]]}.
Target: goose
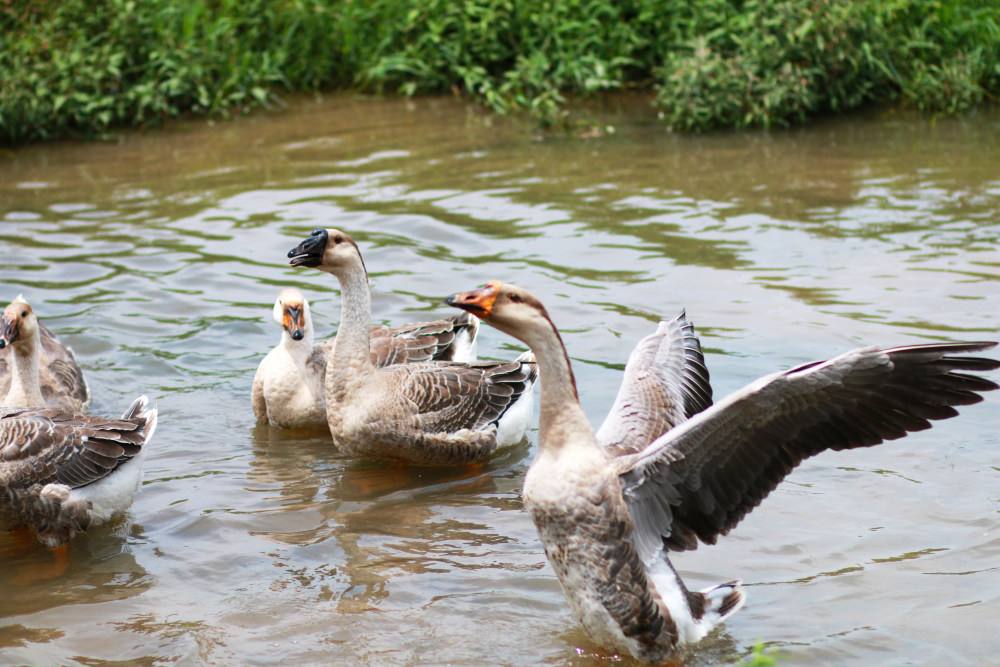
{"points": [[63, 472], [36, 370], [424, 413], [287, 389], [668, 469]]}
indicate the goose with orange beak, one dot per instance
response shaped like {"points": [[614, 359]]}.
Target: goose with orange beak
{"points": [[668, 469], [288, 387], [426, 412]]}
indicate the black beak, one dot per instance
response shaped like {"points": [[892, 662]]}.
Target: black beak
{"points": [[310, 252], [9, 330]]}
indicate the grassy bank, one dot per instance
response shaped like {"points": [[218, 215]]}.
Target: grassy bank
{"points": [[81, 66]]}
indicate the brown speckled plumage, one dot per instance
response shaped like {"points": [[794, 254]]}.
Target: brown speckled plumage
{"points": [[58, 377], [424, 412], [288, 387], [403, 344], [419, 341], [668, 469], [596, 523], [45, 453]]}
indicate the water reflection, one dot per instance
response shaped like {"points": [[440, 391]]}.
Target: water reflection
{"points": [[99, 567], [383, 518]]}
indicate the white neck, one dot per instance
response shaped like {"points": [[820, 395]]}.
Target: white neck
{"points": [[351, 354], [561, 417], [25, 389], [299, 350]]}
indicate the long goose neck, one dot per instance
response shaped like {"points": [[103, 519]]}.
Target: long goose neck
{"points": [[352, 348], [561, 418], [25, 389]]}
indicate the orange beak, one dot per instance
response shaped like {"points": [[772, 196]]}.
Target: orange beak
{"points": [[294, 320], [478, 302]]}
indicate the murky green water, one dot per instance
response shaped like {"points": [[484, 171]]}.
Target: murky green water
{"points": [[158, 258]]}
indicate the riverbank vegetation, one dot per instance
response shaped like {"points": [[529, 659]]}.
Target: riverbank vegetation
{"points": [[79, 67]]}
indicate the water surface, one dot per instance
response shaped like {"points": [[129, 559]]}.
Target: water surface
{"points": [[157, 256]]}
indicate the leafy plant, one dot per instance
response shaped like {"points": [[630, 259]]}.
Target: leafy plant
{"points": [[79, 67]]}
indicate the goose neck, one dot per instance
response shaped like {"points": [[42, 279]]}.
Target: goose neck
{"points": [[25, 390], [355, 320], [561, 417]]}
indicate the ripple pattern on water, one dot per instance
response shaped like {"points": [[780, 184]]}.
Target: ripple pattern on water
{"points": [[158, 257]]}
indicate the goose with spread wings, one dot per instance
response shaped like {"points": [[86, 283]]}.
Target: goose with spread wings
{"points": [[425, 413], [288, 389], [668, 469], [62, 472]]}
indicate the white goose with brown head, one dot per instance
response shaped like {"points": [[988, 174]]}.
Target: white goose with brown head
{"points": [[668, 469], [288, 388], [36, 370], [427, 412]]}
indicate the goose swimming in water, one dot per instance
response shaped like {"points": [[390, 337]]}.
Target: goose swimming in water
{"points": [[37, 370], [428, 412], [668, 469], [62, 472], [288, 386]]}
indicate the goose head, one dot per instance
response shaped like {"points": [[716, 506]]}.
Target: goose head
{"points": [[329, 250], [291, 313], [18, 322], [507, 307]]}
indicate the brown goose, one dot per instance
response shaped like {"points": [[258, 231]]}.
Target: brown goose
{"points": [[62, 472], [288, 386], [667, 468], [35, 368], [429, 412]]}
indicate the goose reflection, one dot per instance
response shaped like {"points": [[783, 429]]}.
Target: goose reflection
{"points": [[99, 567], [364, 521]]}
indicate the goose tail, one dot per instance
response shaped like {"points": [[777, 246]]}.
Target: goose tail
{"points": [[722, 601]]}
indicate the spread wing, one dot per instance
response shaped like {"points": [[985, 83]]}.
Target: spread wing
{"points": [[665, 382], [701, 478], [43, 445]]}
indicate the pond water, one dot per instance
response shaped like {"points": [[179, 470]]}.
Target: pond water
{"points": [[158, 255]]}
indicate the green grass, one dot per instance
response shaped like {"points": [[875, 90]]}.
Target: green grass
{"points": [[761, 657], [79, 67]]}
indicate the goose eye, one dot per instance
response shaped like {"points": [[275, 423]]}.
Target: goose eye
{"points": [[24, 313], [515, 298]]}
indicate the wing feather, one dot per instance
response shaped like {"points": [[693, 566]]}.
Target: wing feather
{"points": [[665, 382], [42, 446], [60, 374], [450, 396], [700, 479], [418, 341]]}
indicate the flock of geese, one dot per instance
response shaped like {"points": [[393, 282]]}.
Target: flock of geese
{"points": [[667, 470]]}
